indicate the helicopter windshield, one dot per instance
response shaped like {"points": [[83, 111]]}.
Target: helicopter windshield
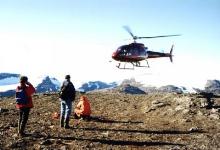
{"points": [[123, 50], [132, 50]]}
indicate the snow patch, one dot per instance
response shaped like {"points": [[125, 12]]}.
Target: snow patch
{"points": [[55, 81], [5, 88], [9, 81]]}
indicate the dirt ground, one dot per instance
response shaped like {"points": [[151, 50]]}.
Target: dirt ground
{"points": [[119, 121]]}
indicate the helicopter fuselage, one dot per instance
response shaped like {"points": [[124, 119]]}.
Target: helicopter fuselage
{"points": [[130, 53]]}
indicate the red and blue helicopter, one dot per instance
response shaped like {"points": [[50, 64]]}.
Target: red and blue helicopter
{"points": [[134, 52]]}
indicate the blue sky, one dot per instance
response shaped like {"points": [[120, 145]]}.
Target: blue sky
{"points": [[77, 37]]}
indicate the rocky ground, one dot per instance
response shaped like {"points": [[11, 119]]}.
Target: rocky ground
{"points": [[119, 121]]}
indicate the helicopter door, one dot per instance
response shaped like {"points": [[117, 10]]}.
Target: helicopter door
{"points": [[141, 51], [136, 50]]}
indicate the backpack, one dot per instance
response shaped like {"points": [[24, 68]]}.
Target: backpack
{"points": [[68, 91], [21, 97]]}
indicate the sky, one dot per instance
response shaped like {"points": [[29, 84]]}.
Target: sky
{"points": [[78, 37]]}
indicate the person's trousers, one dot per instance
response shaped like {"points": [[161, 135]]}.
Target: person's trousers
{"points": [[66, 108], [23, 118]]}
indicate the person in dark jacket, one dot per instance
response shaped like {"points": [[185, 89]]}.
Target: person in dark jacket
{"points": [[67, 96], [24, 109]]}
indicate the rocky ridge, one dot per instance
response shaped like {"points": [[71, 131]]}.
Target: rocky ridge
{"points": [[119, 121]]}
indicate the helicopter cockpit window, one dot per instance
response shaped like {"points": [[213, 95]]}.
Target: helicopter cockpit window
{"points": [[123, 51]]}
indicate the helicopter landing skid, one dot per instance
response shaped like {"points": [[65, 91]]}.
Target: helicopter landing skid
{"points": [[134, 64], [119, 64], [138, 64]]}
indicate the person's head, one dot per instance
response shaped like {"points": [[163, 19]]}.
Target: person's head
{"points": [[82, 98], [67, 77], [23, 80]]}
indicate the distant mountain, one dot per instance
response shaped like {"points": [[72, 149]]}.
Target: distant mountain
{"points": [[171, 89], [96, 85], [48, 85], [131, 82], [212, 86], [9, 78], [150, 89], [7, 93], [131, 86], [9, 82], [129, 89], [8, 75]]}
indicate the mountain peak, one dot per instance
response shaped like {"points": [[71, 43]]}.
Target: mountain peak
{"points": [[129, 89], [8, 75], [47, 85], [96, 85]]}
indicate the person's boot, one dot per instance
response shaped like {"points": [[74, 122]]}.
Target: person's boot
{"points": [[66, 126], [21, 131], [62, 121]]}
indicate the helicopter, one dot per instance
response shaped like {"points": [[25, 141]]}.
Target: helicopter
{"points": [[134, 52]]}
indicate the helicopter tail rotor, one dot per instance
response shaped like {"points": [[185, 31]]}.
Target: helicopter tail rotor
{"points": [[171, 53]]}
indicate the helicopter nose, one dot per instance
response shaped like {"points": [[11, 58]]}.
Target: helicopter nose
{"points": [[114, 55]]}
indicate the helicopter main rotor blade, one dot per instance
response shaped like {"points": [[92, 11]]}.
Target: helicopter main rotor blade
{"points": [[129, 31], [148, 37]]}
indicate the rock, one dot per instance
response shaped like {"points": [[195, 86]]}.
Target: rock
{"points": [[212, 86], [2, 110], [199, 113], [203, 103], [187, 120], [63, 147], [17, 144], [59, 141], [105, 134], [157, 104], [52, 126], [46, 142], [185, 111], [184, 102], [194, 129], [15, 135], [214, 116], [175, 148], [149, 110], [213, 110], [179, 108], [37, 146]]}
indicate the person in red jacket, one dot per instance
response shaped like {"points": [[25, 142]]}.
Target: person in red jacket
{"points": [[83, 109], [24, 109]]}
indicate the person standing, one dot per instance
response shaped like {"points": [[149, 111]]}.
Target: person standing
{"points": [[24, 102], [67, 96]]}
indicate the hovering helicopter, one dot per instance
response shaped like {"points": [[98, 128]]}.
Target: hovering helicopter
{"points": [[134, 53]]}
